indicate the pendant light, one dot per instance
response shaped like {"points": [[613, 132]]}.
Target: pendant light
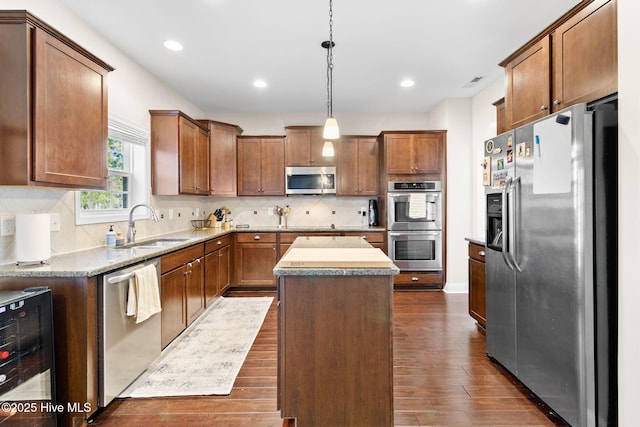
{"points": [[331, 130]]}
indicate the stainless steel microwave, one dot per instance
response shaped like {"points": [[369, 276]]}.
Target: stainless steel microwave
{"points": [[310, 180]]}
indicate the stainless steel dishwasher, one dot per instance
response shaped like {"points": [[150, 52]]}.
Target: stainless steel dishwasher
{"points": [[125, 349]]}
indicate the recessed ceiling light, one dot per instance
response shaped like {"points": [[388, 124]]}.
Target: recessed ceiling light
{"points": [[260, 83], [407, 83], [173, 45]]}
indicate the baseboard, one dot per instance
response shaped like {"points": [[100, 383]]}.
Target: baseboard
{"points": [[456, 288]]}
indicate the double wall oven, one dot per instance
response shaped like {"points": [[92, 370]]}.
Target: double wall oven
{"points": [[414, 223]]}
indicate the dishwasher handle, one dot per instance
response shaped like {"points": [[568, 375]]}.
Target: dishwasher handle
{"points": [[123, 277]]}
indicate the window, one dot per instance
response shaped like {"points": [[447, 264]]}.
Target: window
{"points": [[127, 182]]}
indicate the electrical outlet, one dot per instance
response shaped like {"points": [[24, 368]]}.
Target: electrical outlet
{"points": [[7, 225], [54, 219]]}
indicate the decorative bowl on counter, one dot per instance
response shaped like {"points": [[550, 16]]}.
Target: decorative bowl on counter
{"points": [[200, 224]]}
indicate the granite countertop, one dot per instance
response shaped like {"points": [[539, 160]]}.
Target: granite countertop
{"points": [[100, 260], [477, 240], [335, 242]]}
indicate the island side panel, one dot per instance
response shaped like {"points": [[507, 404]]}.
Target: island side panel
{"points": [[336, 350]]}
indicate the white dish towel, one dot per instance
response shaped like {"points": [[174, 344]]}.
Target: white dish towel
{"points": [[143, 299], [417, 205]]}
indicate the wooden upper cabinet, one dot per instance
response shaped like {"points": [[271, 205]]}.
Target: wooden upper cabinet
{"points": [[501, 116], [53, 108], [223, 149], [261, 166], [529, 84], [574, 60], [585, 55], [303, 147], [414, 153], [194, 157], [179, 154], [357, 167]]}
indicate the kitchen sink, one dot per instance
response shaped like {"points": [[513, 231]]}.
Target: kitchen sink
{"points": [[155, 243]]}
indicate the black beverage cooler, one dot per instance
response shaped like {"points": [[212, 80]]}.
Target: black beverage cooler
{"points": [[27, 381]]}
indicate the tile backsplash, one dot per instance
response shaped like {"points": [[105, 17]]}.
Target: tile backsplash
{"points": [[176, 214]]}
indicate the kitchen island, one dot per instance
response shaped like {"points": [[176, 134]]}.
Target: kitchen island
{"points": [[335, 354]]}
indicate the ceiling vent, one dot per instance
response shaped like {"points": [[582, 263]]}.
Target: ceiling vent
{"points": [[473, 82]]}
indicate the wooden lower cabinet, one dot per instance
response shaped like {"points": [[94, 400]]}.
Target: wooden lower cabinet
{"points": [[255, 256], [217, 268], [181, 290], [477, 306]]}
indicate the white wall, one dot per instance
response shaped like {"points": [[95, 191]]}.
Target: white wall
{"points": [[484, 127], [629, 210], [454, 115], [350, 123]]}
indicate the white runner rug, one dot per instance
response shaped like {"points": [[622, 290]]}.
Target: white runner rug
{"points": [[207, 357]]}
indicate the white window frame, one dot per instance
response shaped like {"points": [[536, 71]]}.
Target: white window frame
{"points": [[139, 167]]}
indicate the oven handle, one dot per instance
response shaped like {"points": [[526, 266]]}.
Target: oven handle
{"points": [[124, 277], [414, 233]]}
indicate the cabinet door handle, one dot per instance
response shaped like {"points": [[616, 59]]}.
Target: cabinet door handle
{"points": [[543, 107], [481, 253], [256, 237], [556, 102], [189, 265]]}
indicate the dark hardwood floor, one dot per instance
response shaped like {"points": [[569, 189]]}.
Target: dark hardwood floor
{"points": [[442, 376]]}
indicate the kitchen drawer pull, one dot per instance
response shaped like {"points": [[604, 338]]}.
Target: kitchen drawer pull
{"points": [[219, 242], [414, 279], [481, 253], [256, 237]]}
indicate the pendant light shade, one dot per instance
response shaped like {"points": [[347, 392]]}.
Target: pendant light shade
{"points": [[327, 149], [331, 130]]}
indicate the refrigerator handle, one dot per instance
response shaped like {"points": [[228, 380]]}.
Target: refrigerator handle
{"points": [[513, 194], [505, 224]]}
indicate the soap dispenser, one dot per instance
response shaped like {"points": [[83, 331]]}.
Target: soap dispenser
{"points": [[111, 237]]}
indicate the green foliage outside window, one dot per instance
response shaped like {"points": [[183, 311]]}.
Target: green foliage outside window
{"points": [[117, 194]]}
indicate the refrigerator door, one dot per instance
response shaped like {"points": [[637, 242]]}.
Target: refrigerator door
{"points": [[554, 343], [499, 277]]}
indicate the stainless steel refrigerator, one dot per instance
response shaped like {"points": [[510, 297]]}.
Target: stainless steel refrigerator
{"points": [[551, 260]]}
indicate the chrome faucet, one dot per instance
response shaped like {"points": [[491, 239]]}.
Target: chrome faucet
{"points": [[131, 233]]}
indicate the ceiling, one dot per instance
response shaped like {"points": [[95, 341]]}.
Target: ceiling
{"points": [[440, 44]]}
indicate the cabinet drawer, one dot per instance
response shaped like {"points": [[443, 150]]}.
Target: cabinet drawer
{"points": [[256, 237], [181, 257], [476, 252], [217, 243], [369, 237], [418, 278]]}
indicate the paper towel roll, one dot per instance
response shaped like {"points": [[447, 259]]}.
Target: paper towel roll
{"points": [[33, 238]]}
